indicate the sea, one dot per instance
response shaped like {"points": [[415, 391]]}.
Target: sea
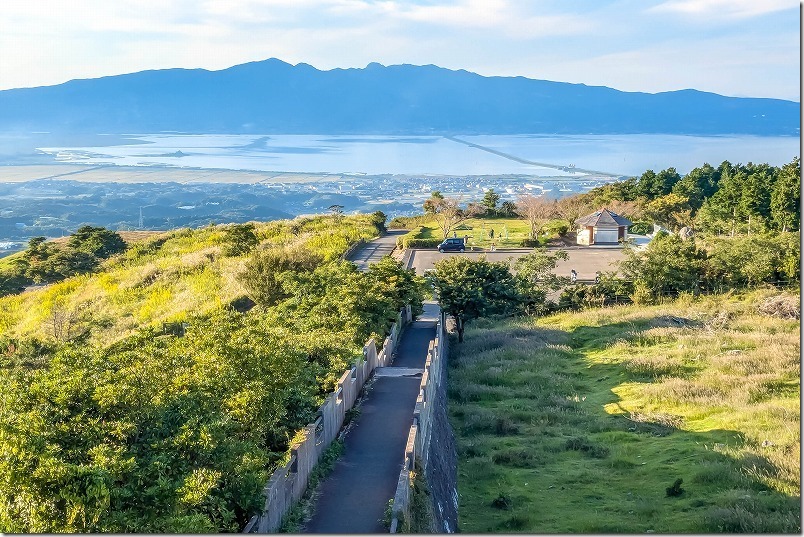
{"points": [[558, 156]]}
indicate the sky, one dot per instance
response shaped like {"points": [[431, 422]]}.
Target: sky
{"points": [[744, 48]]}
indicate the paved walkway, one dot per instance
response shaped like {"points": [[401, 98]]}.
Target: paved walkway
{"points": [[375, 250], [354, 497]]}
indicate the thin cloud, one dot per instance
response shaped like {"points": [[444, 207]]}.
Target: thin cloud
{"points": [[738, 9]]}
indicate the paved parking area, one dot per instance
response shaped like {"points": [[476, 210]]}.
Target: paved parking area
{"points": [[585, 260]]}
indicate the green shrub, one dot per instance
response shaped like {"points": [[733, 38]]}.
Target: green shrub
{"points": [[641, 228], [415, 239], [556, 227]]}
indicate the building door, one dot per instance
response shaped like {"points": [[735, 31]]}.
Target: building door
{"points": [[603, 236]]}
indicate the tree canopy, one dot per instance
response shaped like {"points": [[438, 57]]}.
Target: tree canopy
{"points": [[468, 289]]}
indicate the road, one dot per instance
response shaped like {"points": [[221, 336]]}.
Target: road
{"points": [[353, 498], [375, 250], [585, 260]]}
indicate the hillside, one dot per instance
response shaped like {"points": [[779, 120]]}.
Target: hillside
{"points": [[583, 422], [272, 96], [152, 395], [162, 279]]}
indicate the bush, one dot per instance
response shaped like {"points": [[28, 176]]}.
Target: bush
{"points": [[530, 243], [556, 227], [240, 239], [641, 228], [415, 239]]}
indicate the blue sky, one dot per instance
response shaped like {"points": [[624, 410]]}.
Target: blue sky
{"points": [[732, 47]]}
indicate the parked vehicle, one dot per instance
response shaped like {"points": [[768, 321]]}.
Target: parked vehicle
{"points": [[454, 244]]}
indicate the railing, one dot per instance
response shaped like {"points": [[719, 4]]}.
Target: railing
{"points": [[419, 436], [288, 483]]}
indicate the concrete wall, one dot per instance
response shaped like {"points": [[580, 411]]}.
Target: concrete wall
{"points": [[288, 483], [431, 441]]}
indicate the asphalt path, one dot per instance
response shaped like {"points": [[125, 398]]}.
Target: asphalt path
{"points": [[376, 249], [585, 260], [353, 498]]}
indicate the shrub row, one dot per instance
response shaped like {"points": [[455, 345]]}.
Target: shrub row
{"points": [[414, 239]]}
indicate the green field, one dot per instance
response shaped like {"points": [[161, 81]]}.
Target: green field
{"points": [[507, 232], [580, 422]]}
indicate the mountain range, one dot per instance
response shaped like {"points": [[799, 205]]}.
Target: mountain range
{"points": [[272, 96]]}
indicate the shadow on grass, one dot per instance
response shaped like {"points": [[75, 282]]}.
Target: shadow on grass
{"points": [[538, 452]]}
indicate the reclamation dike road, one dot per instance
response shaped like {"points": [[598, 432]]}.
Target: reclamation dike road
{"points": [[353, 498]]}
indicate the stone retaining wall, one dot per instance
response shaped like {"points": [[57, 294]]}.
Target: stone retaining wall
{"points": [[288, 483], [432, 442]]}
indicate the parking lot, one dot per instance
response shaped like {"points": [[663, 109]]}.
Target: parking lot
{"points": [[585, 260]]}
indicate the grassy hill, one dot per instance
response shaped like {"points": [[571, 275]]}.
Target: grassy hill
{"points": [[116, 418], [163, 278], [584, 422]]}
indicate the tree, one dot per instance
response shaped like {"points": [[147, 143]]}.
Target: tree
{"points": [[536, 210], [98, 241], [432, 202], [239, 239], [468, 289], [785, 202], [507, 209], [336, 210], [448, 213], [698, 185], [670, 210], [652, 185], [668, 265], [490, 200], [573, 207], [535, 278], [61, 265]]}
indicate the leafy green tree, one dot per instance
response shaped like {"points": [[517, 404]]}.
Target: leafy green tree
{"points": [[698, 185], [507, 209], [60, 265], [652, 185], [670, 210], [751, 260], [392, 279], [535, 278], [239, 239], [490, 200], [38, 250], [667, 265], [468, 289], [13, 280], [97, 241], [785, 202]]}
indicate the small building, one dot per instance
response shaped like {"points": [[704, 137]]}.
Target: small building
{"points": [[602, 227]]}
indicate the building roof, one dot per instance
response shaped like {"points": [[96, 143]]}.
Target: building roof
{"points": [[603, 217]]}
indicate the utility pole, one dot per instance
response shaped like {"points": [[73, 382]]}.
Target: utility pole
{"points": [[140, 226]]}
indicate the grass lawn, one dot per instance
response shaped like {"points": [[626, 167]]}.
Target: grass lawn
{"points": [[581, 422], [508, 232]]}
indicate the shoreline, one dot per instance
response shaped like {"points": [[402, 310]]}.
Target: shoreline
{"points": [[102, 173]]}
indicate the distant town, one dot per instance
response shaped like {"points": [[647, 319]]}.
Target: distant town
{"points": [[55, 200]]}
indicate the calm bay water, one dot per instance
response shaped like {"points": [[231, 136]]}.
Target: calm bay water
{"points": [[539, 155]]}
